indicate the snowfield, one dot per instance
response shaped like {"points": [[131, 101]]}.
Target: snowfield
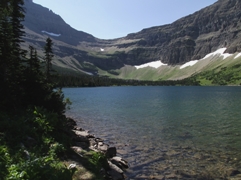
{"points": [[218, 52], [157, 64], [154, 64], [51, 34], [190, 63], [238, 55]]}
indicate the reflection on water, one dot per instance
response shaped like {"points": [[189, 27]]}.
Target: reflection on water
{"points": [[166, 131]]}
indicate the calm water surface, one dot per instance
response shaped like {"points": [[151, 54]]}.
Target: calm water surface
{"points": [[165, 130]]}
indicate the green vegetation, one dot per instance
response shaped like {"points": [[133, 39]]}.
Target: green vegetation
{"points": [[31, 143], [230, 75], [35, 137]]}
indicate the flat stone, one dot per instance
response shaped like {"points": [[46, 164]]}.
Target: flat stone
{"points": [[81, 133], [115, 172], [119, 162]]}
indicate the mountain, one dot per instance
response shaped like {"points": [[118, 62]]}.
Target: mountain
{"points": [[196, 35], [189, 38]]}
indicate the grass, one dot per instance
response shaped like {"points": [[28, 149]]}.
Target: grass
{"points": [[213, 70]]}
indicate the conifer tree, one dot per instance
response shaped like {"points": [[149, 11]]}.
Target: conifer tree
{"points": [[48, 58], [11, 54]]}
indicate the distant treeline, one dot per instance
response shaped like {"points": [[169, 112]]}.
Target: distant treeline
{"points": [[65, 80]]}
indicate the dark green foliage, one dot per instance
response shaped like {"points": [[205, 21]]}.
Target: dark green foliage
{"points": [[48, 58], [31, 145], [229, 75], [31, 139]]}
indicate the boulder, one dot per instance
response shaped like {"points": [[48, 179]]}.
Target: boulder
{"points": [[115, 172], [103, 147], [118, 161], [111, 152]]}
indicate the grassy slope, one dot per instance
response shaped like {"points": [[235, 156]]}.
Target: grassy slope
{"points": [[205, 70]]}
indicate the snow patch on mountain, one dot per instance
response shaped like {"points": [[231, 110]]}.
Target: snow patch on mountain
{"points": [[238, 55], [51, 34], [190, 63], [154, 64], [101, 49], [218, 52]]}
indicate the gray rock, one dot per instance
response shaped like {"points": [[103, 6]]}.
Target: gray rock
{"points": [[81, 133], [103, 147], [119, 162], [115, 172]]}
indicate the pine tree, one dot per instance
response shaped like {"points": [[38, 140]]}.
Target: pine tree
{"points": [[11, 54], [48, 58]]}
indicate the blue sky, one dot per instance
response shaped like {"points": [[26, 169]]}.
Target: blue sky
{"points": [[108, 19]]}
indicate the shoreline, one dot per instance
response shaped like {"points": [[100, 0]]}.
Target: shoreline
{"points": [[206, 163], [113, 166]]}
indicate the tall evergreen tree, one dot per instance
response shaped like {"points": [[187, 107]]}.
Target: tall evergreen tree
{"points": [[11, 54], [48, 58]]}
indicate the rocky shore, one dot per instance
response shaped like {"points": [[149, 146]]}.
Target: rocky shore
{"points": [[113, 167], [173, 160]]}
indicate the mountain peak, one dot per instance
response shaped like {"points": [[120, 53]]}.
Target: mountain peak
{"points": [[40, 20]]}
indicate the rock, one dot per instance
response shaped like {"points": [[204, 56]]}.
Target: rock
{"points": [[92, 142], [103, 147], [233, 172], [72, 166], [172, 176], [119, 162], [84, 140], [81, 133], [77, 149], [172, 153], [115, 172], [159, 177], [99, 140], [111, 152], [78, 128], [71, 123]]}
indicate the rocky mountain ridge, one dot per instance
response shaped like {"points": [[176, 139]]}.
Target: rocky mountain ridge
{"points": [[189, 38]]}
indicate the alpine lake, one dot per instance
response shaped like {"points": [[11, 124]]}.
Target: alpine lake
{"points": [[172, 132]]}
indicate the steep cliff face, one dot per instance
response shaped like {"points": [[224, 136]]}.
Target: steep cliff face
{"points": [[196, 35], [189, 38]]}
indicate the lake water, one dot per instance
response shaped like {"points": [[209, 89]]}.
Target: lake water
{"points": [[171, 132]]}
